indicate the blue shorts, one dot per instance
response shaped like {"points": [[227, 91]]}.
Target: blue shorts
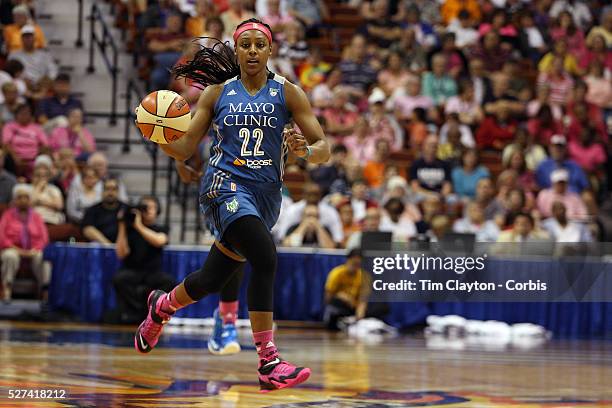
{"points": [[224, 198]]}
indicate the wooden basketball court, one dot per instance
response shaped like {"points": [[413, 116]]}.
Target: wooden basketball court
{"points": [[98, 367]]}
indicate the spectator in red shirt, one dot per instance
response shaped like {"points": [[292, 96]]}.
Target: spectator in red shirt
{"points": [[496, 130], [544, 125], [22, 235], [597, 51], [580, 119]]}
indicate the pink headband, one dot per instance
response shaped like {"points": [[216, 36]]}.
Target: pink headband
{"points": [[253, 26]]}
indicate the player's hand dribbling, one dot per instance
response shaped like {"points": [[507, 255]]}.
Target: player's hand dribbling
{"points": [[297, 143]]}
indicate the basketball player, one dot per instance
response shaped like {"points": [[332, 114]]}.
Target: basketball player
{"points": [[241, 190]]}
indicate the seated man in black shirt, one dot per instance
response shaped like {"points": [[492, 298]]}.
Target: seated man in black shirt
{"points": [[100, 220], [430, 176], [140, 244]]}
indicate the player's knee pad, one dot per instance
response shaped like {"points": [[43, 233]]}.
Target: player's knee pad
{"points": [[258, 248], [264, 265]]}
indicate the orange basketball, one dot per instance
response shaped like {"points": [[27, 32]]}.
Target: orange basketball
{"points": [[163, 116]]}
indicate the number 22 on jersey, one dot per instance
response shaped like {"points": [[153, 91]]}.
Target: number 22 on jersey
{"points": [[245, 135]]}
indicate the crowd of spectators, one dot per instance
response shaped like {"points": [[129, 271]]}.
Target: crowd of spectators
{"points": [[50, 171]]}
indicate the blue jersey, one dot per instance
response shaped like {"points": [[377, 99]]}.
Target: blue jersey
{"points": [[247, 131]]}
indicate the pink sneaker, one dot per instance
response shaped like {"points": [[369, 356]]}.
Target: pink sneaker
{"points": [[150, 329], [278, 374]]}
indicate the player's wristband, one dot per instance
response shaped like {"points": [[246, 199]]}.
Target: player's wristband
{"points": [[308, 152]]}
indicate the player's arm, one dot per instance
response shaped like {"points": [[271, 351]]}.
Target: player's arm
{"points": [[313, 135], [184, 148]]}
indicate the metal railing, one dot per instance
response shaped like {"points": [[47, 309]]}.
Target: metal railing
{"points": [[132, 90], [79, 41], [104, 41]]}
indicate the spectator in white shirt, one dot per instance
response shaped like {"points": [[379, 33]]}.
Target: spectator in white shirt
{"points": [[465, 34], [83, 195], [37, 63], [577, 8], [563, 230], [328, 215], [453, 123], [394, 220], [475, 223]]}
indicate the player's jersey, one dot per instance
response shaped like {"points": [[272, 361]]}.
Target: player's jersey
{"points": [[247, 131]]}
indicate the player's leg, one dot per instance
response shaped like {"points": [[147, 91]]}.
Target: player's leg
{"points": [[224, 338], [258, 248], [218, 269]]}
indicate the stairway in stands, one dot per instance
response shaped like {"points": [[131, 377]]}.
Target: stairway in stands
{"points": [[59, 22]]}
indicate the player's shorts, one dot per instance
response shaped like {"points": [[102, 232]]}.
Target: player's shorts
{"points": [[224, 198]]}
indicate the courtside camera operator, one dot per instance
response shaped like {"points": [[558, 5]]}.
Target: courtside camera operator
{"points": [[140, 243]]}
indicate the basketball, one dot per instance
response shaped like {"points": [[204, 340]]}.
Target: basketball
{"points": [[163, 116]]}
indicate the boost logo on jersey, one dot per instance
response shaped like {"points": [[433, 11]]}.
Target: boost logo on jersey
{"points": [[253, 164]]}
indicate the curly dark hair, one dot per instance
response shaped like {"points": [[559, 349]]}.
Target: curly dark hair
{"points": [[215, 64]]}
